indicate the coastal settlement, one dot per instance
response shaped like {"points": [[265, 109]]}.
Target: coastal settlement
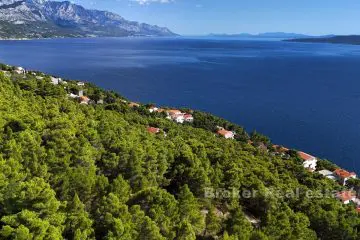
{"points": [[309, 162]]}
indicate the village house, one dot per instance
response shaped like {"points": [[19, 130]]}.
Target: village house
{"points": [[153, 130], [84, 100], [188, 118], [328, 174], [100, 101], [226, 134], [55, 80], [178, 118], [71, 95], [81, 84], [19, 70], [153, 109], [346, 197], [343, 175], [175, 115], [309, 162]]}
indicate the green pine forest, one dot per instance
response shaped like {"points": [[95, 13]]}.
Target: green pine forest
{"points": [[73, 171]]}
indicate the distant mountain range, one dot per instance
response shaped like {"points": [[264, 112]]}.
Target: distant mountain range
{"points": [[44, 19], [268, 35], [351, 39]]}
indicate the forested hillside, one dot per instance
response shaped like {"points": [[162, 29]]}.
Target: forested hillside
{"points": [[93, 171]]}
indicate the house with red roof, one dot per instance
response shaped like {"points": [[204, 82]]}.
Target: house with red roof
{"points": [[188, 118], [346, 196], [309, 162], [153, 130], [175, 115], [226, 134], [343, 175]]}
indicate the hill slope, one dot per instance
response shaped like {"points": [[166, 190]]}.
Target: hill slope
{"points": [[79, 171], [39, 19]]}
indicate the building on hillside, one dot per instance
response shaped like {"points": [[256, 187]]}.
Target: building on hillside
{"points": [[175, 115], [153, 109], [343, 175], [19, 70], [328, 174], [100, 101], [80, 84], [173, 112], [179, 118], [346, 196], [84, 100], [55, 81], [71, 95], [226, 134], [309, 162], [188, 118], [153, 130]]}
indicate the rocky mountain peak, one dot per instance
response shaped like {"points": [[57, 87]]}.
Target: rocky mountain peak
{"points": [[44, 18]]}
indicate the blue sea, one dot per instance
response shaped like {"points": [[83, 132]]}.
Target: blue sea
{"points": [[304, 96]]}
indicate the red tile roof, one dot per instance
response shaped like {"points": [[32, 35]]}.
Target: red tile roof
{"points": [[345, 196], [305, 156], [153, 130], [188, 116], [173, 111], [344, 174], [224, 132]]}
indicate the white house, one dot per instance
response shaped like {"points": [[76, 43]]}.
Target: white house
{"points": [[81, 84], [71, 95], [328, 174], [153, 109], [55, 80], [309, 162], [343, 176], [178, 118], [19, 70], [188, 118], [175, 115]]}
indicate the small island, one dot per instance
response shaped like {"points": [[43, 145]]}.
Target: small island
{"points": [[351, 39]]}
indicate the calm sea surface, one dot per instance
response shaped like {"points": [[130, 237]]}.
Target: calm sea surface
{"points": [[304, 96]]}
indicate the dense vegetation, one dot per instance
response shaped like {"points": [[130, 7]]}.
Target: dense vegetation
{"points": [[71, 171]]}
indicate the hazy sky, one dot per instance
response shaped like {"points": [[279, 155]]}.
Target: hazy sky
{"points": [[194, 17]]}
